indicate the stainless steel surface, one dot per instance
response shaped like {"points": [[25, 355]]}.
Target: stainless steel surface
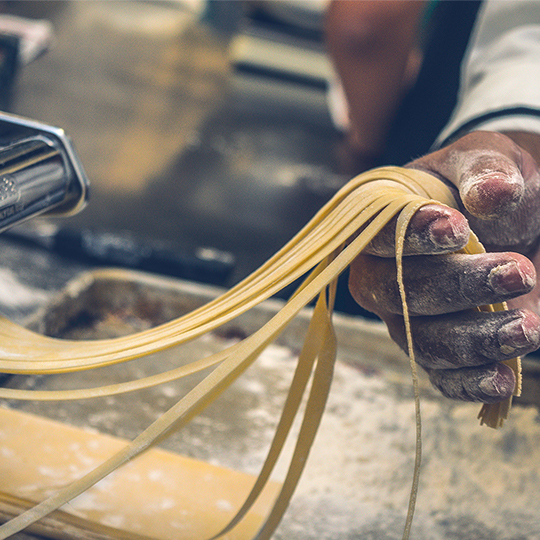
{"points": [[39, 172]]}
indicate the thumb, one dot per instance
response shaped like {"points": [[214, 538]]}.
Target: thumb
{"points": [[485, 167], [490, 184]]}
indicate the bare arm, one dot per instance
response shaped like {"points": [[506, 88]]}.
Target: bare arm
{"points": [[373, 46]]}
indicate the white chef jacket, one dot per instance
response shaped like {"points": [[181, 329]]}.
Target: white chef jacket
{"points": [[500, 74]]}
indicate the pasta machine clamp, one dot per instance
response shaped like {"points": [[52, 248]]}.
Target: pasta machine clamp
{"points": [[39, 172]]}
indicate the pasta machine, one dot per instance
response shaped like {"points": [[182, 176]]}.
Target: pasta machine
{"points": [[39, 171]]}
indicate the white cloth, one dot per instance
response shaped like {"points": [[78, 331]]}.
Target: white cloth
{"points": [[500, 78]]}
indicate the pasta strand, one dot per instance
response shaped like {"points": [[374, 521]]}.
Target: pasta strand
{"points": [[322, 250]]}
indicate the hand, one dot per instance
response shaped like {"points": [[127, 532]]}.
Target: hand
{"points": [[497, 184]]}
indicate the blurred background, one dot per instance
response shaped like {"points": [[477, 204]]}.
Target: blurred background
{"points": [[203, 123]]}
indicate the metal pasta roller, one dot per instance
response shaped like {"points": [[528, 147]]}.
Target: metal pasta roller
{"points": [[39, 171]]}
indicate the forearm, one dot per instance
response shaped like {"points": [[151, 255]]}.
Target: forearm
{"points": [[370, 44]]}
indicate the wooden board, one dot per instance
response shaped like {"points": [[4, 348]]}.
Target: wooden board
{"points": [[160, 494]]}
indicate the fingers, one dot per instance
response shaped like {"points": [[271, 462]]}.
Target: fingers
{"points": [[490, 184], [485, 167], [458, 347], [432, 230], [498, 184], [469, 339], [491, 384], [499, 195], [461, 352], [441, 284]]}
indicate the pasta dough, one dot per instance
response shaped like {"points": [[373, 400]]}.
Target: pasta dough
{"points": [[322, 250]]}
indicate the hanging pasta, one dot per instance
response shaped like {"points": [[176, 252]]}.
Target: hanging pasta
{"points": [[322, 250]]}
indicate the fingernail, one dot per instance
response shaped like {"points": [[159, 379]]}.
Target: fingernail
{"points": [[499, 383], [513, 336], [508, 278], [493, 193], [446, 234]]}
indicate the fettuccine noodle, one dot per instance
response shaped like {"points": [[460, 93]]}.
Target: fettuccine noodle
{"points": [[322, 250]]}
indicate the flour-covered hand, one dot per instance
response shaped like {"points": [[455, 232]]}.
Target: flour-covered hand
{"points": [[497, 184]]}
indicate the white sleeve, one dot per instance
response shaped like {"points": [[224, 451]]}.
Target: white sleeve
{"points": [[500, 77]]}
